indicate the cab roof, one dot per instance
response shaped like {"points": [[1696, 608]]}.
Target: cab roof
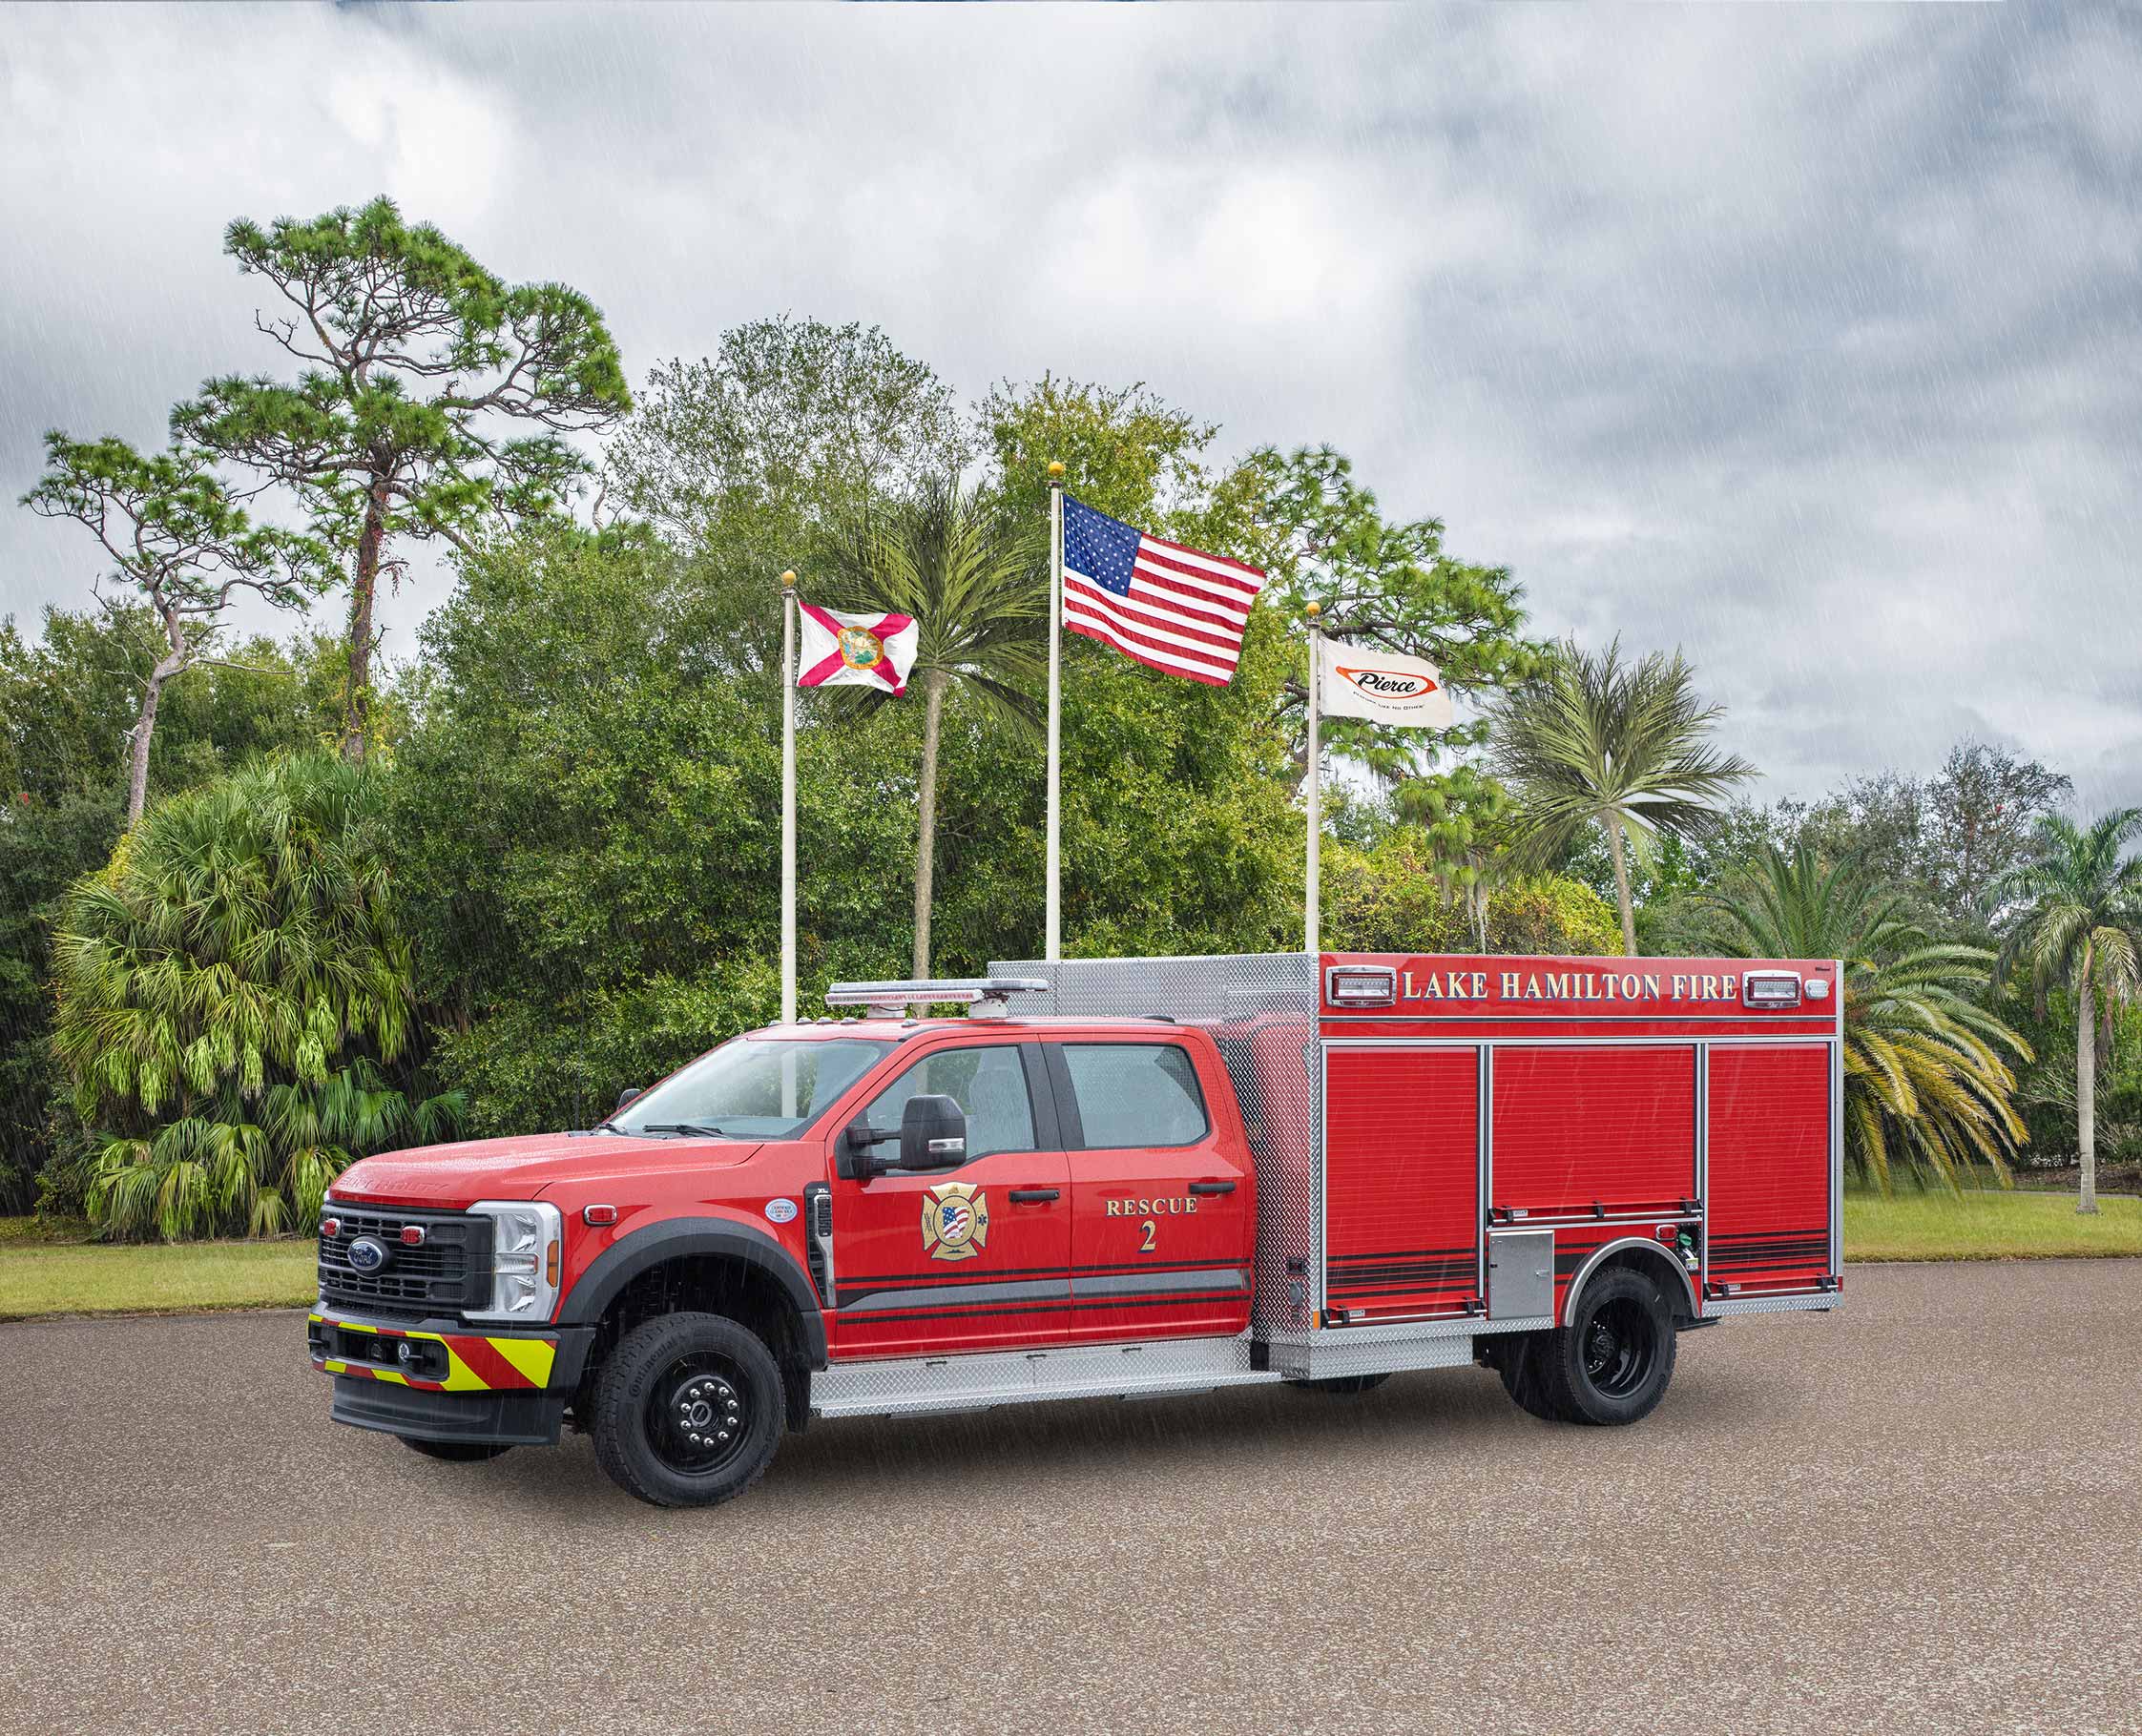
{"points": [[897, 1030]]}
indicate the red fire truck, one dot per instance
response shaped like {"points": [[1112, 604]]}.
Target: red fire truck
{"points": [[1109, 1177]]}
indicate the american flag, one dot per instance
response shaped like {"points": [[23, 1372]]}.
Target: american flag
{"points": [[1172, 608]]}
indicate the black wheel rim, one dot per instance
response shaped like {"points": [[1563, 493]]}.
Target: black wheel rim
{"points": [[698, 1415], [1620, 1345]]}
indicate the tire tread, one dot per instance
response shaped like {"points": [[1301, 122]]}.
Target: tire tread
{"points": [[622, 1447]]}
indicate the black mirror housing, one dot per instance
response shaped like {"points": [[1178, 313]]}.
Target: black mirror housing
{"points": [[855, 1157], [626, 1096], [932, 1134]]}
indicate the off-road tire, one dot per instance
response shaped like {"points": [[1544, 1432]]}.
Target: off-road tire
{"points": [[456, 1452], [664, 1373], [1344, 1386], [1610, 1362]]}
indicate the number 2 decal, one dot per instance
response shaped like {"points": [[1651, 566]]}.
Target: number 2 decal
{"points": [[1150, 1229]]}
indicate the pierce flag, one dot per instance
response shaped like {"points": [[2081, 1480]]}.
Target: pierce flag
{"points": [[856, 651], [1354, 681]]}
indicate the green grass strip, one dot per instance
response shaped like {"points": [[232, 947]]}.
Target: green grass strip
{"points": [[1988, 1226], [90, 1279]]}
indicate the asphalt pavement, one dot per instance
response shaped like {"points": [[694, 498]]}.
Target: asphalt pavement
{"points": [[1921, 1514]]}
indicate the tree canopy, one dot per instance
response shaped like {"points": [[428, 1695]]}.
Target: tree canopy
{"points": [[419, 367], [182, 545], [1623, 747]]}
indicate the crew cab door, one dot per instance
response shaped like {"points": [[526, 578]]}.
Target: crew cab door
{"points": [[968, 1259], [1162, 1204]]}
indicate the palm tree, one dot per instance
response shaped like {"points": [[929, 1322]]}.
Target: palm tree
{"points": [[1600, 742], [1925, 1078], [2073, 909], [232, 992], [975, 587]]}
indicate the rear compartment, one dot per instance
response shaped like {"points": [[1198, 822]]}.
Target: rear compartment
{"points": [[1451, 1160]]}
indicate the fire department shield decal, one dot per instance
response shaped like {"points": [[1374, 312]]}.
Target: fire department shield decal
{"points": [[955, 1221]]}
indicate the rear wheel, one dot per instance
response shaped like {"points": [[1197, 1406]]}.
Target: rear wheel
{"points": [[1613, 1355], [456, 1452], [688, 1410]]}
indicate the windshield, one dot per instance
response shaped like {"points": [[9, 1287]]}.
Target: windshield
{"points": [[747, 1089]]}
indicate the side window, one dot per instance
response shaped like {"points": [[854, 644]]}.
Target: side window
{"points": [[989, 1084], [1136, 1094]]}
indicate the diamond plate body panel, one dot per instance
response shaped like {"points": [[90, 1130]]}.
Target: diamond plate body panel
{"points": [[1376, 1350], [1772, 1305], [1261, 1009], [912, 1385]]}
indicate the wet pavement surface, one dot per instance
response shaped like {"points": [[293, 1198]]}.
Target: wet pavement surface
{"points": [[1923, 1513]]}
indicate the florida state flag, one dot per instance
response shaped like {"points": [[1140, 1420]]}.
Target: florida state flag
{"points": [[855, 651]]}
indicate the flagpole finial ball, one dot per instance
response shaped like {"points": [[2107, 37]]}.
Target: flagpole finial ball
{"points": [[1313, 610], [788, 580], [1056, 467]]}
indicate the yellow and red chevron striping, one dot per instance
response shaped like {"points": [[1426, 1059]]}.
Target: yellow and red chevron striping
{"points": [[474, 1363]]}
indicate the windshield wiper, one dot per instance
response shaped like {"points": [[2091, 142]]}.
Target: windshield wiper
{"points": [[685, 1126]]}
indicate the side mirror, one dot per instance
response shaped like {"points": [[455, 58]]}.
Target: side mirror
{"points": [[626, 1096], [932, 1134]]}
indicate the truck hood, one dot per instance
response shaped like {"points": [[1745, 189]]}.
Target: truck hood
{"points": [[521, 1167]]}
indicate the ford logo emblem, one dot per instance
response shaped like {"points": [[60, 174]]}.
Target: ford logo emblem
{"points": [[367, 1253]]}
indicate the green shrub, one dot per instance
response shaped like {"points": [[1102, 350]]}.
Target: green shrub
{"points": [[236, 1013], [1391, 899]]}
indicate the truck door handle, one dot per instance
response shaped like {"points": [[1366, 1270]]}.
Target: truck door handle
{"points": [[1212, 1186], [1035, 1196]]}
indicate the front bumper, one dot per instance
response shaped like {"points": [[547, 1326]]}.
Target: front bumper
{"points": [[439, 1380]]}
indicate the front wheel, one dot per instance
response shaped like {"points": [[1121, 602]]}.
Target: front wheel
{"points": [[688, 1410]]}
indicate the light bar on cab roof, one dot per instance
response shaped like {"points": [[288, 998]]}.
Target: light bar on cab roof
{"points": [[985, 995]]}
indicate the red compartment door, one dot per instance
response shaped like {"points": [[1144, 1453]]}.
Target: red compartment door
{"points": [[1401, 1181], [1770, 1167], [1609, 1125]]}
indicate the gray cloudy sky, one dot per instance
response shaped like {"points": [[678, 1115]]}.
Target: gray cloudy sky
{"points": [[1807, 338]]}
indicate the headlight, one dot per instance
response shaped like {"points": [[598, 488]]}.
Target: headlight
{"points": [[527, 1248]]}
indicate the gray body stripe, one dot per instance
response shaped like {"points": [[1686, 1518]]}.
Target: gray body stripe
{"points": [[1162, 1283], [944, 1296]]}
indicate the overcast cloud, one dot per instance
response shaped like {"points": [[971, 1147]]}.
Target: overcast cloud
{"points": [[1809, 340]]}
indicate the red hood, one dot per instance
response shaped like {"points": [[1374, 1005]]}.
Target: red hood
{"points": [[521, 1167]]}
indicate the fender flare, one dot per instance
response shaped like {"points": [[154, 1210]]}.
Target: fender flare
{"points": [[679, 1238], [1659, 1254]]}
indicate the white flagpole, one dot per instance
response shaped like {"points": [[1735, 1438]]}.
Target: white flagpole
{"points": [[1052, 935], [1312, 901], [788, 798]]}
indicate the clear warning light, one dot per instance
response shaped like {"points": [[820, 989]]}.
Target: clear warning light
{"points": [[1770, 988]]}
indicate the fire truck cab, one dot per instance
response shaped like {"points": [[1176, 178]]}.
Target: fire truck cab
{"points": [[1110, 1177]]}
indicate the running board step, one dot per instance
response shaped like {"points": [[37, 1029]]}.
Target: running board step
{"points": [[906, 1385]]}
